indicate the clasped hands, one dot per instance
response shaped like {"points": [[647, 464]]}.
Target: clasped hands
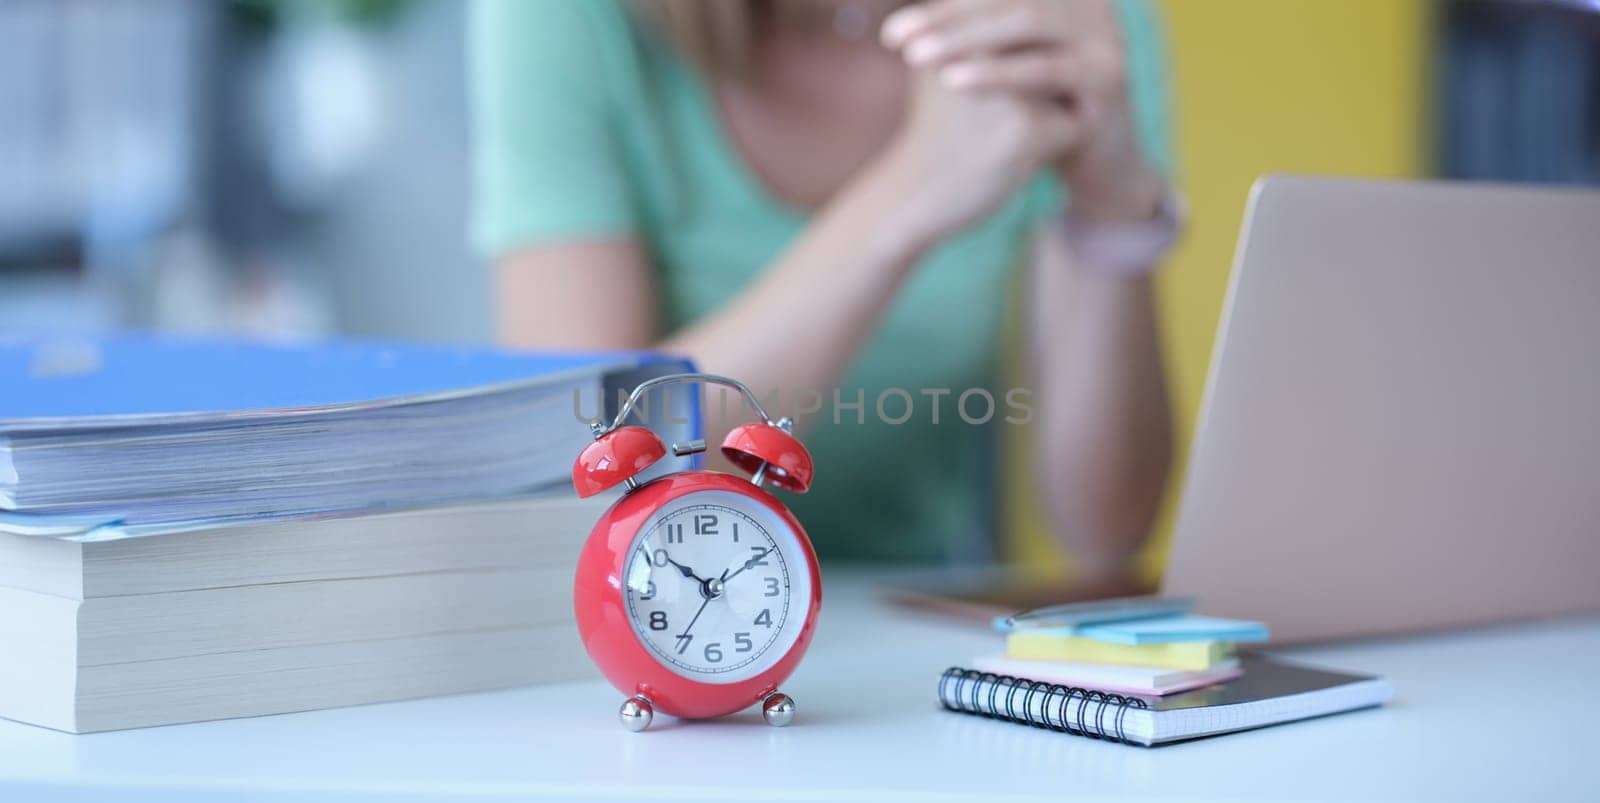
{"points": [[1058, 69]]}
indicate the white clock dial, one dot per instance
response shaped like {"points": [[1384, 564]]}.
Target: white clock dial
{"points": [[717, 586]]}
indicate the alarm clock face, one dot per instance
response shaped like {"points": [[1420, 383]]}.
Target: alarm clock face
{"points": [[717, 586]]}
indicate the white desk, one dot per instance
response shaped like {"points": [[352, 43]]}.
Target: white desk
{"points": [[1503, 714]]}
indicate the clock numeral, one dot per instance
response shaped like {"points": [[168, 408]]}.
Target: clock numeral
{"points": [[674, 533], [714, 652], [660, 559], [705, 524], [764, 618], [772, 587], [658, 620], [742, 642], [684, 639], [762, 551], [649, 591], [736, 532]]}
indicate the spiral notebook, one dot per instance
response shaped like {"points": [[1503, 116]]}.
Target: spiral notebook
{"points": [[1270, 692]]}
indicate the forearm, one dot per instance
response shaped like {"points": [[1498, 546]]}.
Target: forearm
{"points": [[797, 326], [1103, 404]]}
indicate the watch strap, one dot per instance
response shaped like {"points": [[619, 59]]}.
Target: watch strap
{"points": [[1128, 250]]}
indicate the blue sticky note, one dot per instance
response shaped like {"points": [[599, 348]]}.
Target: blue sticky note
{"points": [[1171, 629]]}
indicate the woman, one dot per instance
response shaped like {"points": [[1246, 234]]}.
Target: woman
{"points": [[827, 199]]}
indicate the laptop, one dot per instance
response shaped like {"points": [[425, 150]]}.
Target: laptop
{"points": [[1401, 430]]}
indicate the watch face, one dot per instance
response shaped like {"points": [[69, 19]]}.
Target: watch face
{"points": [[717, 586]]}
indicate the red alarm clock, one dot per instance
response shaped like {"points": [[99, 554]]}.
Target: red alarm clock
{"points": [[697, 593]]}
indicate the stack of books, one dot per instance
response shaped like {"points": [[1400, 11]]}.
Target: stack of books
{"points": [[202, 529], [1156, 656]]}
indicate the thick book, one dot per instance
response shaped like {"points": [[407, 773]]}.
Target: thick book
{"points": [[149, 429], [244, 619], [1269, 692], [529, 532]]}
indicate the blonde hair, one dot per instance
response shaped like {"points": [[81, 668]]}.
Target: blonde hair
{"points": [[716, 35]]}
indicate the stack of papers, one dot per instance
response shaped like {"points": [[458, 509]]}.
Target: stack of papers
{"points": [[1144, 671], [1158, 655], [200, 529], [143, 429]]}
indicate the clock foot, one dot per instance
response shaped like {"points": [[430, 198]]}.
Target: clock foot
{"points": [[778, 709], [636, 714]]}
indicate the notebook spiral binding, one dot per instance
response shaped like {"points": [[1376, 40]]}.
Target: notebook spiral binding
{"points": [[1015, 699]]}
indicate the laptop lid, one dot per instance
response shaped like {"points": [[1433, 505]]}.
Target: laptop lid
{"points": [[1401, 429]]}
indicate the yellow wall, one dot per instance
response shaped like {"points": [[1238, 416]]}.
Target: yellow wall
{"points": [[1309, 86]]}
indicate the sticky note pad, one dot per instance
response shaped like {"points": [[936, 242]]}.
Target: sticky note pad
{"points": [[1059, 645], [1171, 629]]}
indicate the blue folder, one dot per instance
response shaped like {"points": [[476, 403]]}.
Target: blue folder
{"points": [[154, 375], [73, 408]]}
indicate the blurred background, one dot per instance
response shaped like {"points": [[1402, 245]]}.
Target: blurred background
{"points": [[292, 168]]}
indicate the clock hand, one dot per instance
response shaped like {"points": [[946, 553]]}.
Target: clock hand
{"points": [[687, 572], [703, 604], [707, 601], [747, 564]]}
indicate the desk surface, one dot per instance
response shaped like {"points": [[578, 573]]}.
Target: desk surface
{"points": [[869, 729]]}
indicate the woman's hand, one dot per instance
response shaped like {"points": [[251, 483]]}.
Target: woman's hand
{"points": [[959, 155], [1064, 54]]}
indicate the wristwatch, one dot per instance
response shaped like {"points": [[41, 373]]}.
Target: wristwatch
{"points": [[1127, 250]]}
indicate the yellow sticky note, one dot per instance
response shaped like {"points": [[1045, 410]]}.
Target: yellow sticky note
{"points": [[1045, 645]]}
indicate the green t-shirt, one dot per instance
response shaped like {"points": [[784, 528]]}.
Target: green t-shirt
{"points": [[589, 127]]}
